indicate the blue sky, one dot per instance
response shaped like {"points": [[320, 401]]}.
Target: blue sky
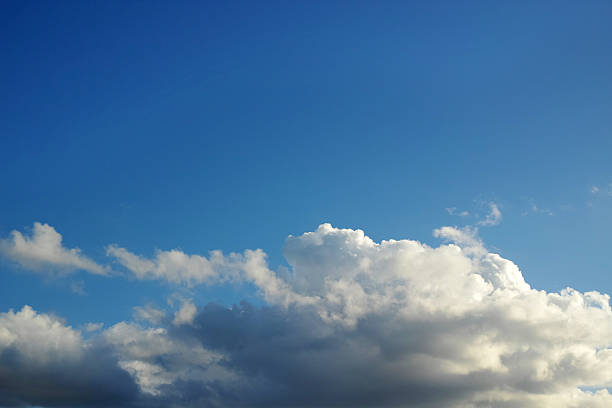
{"points": [[199, 126]]}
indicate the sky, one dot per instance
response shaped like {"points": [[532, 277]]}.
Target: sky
{"points": [[230, 204]]}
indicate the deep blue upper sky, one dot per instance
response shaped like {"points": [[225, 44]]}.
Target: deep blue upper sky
{"points": [[204, 126]]}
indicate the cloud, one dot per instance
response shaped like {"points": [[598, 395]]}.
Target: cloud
{"points": [[177, 267], [149, 314], [43, 252], [159, 360], [386, 324], [174, 266], [533, 208], [466, 237], [91, 327], [185, 314], [45, 363], [597, 190], [453, 211], [493, 218]]}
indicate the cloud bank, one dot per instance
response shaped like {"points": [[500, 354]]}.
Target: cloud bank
{"points": [[355, 323]]}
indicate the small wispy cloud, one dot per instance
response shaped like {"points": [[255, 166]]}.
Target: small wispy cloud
{"points": [[494, 217], [601, 190], [78, 287], [454, 211], [598, 192], [91, 327], [149, 314], [534, 209]]}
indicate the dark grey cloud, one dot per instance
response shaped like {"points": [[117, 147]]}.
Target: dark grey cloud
{"points": [[299, 360], [93, 380]]}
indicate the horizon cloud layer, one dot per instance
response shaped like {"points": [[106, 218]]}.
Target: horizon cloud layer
{"points": [[352, 323]]}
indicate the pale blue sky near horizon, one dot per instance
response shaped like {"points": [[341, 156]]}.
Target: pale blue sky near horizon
{"points": [[229, 126]]}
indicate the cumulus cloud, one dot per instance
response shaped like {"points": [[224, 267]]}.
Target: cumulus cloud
{"points": [[43, 251], [156, 359], [355, 323], [44, 362]]}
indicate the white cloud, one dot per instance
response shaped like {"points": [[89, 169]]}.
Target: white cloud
{"points": [[149, 314], [497, 322], [91, 327], [43, 251], [467, 237], [39, 337], [174, 265], [493, 218], [185, 314], [177, 267]]}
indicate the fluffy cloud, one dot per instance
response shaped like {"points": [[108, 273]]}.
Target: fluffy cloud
{"points": [[156, 360], [185, 314], [44, 362], [177, 267], [174, 266], [358, 323], [43, 251]]}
